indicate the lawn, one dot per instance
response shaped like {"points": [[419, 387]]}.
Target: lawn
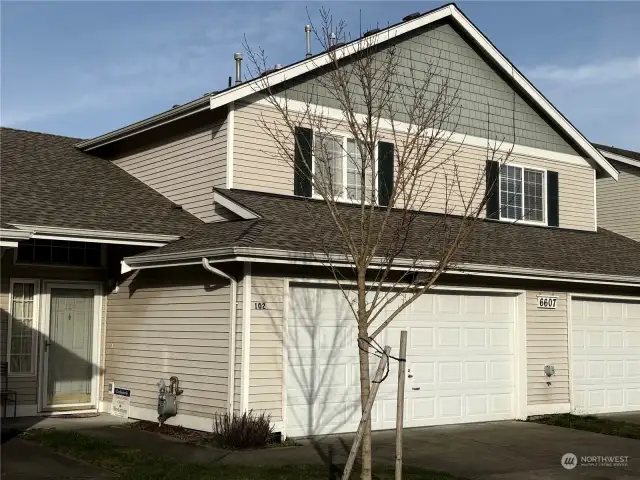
{"points": [[135, 464], [591, 423]]}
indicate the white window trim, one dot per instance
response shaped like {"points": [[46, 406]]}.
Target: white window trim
{"points": [[345, 137], [103, 260], [545, 221], [35, 326]]}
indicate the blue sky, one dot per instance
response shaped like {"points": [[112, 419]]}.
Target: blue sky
{"points": [[84, 68]]}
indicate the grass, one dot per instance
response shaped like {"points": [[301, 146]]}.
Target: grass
{"points": [[591, 423], [134, 464]]}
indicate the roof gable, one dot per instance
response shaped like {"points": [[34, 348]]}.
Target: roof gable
{"points": [[489, 106], [449, 12]]}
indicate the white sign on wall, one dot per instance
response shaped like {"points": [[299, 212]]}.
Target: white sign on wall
{"points": [[546, 301], [121, 402]]}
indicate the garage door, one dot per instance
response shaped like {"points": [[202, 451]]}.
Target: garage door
{"points": [[460, 362], [606, 356]]}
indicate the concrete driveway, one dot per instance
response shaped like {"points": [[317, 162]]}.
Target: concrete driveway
{"points": [[502, 450]]}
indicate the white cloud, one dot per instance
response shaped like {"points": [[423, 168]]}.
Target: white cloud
{"points": [[608, 71]]}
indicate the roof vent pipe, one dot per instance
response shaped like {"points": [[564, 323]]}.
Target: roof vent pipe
{"points": [[307, 33], [238, 59], [332, 39]]}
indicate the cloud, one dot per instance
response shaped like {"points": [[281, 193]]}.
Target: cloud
{"points": [[608, 71], [601, 98]]}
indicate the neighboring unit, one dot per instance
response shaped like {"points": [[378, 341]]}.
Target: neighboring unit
{"points": [[233, 296], [617, 200]]}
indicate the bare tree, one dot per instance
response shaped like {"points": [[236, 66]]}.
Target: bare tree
{"points": [[364, 95]]}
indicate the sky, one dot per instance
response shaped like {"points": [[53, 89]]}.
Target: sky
{"points": [[82, 69]]}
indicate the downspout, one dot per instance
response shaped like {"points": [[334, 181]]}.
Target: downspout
{"points": [[232, 328]]}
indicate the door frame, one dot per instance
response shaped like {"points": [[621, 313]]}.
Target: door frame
{"points": [[45, 325]]}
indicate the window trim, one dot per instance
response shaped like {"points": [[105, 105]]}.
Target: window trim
{"points": [[35, 327], [103, 259], [545, 220], [345, 138]]}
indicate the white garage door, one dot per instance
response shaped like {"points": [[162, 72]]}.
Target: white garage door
{"points": [[460, 358], [606, 356]]}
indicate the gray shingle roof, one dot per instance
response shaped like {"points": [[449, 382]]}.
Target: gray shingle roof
{"points": [[619, 151], [301, 225], [46, 181]]}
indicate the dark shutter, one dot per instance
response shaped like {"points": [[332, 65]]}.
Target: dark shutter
{"points": [[553, 204], [302, 162], [385, 173], [492, 189]]}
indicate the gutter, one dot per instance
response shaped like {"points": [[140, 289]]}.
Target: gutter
{"points": [[86, 235], [247, 254], [232, 328], [177, 113]]}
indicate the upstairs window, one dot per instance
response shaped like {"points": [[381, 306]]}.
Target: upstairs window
{"points": [[337, 162], [522, 194], [59, 252]]}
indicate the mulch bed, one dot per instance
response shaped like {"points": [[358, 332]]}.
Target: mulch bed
{"points": [[197, 437], [184, 434]]}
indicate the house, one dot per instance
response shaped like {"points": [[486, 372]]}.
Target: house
{"points": [[231, 293], [626, 190]]}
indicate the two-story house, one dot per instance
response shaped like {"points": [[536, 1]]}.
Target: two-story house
{"points": [[611, 195], [543, 318]]}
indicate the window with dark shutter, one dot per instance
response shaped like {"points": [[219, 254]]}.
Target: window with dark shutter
{"points": [[553, 199], [303, 159], [492, 189], [385, 172]]}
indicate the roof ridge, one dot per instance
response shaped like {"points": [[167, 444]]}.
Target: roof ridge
{"points": [[35, 132]]}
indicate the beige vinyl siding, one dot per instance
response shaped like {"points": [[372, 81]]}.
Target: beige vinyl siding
{"points": [[614, 198], [266, 375], [259, 166], [177, 324], [547, 344], [185, 168]]}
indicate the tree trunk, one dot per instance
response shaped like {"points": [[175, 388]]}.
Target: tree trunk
{"points": [[365, 388]]}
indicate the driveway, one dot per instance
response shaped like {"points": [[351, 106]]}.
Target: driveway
{"points": [[501, 450]]}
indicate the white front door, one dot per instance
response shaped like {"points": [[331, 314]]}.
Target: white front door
{"points": [[460, 360], [70, 347], [605, 337]]}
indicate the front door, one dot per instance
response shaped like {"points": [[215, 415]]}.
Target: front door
{"points": [[69, 348]]}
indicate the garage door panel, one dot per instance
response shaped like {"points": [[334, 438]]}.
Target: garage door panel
{"points": [[606, 356], [460, 357]]}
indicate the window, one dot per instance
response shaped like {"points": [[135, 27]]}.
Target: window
{"points": [[57, 252], [22, 328], [522, 194], [337, 162]]}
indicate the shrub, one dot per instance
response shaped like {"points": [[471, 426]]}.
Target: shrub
{"points": [[249, 430]]}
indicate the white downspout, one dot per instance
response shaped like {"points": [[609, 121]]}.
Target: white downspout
{"points": [[232, 328]]}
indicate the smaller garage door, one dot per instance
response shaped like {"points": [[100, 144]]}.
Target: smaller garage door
{"points": [[606, 356]]}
